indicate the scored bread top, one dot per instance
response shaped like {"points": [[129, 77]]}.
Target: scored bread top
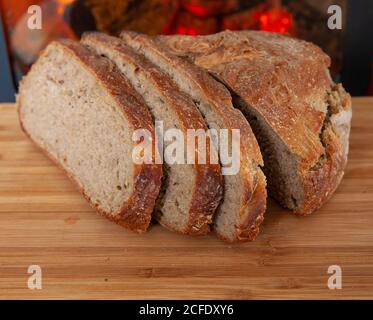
{"points": [[284, 78], [251, 190], [207, 190], [287, 81], [136, 212]]}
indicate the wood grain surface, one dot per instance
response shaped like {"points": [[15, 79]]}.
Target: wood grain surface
{"points": [[45, 221]]}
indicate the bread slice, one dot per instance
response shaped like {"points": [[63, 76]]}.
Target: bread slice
{"points": [[300, 118], [242, 209], [191, 192], [79, 109]]}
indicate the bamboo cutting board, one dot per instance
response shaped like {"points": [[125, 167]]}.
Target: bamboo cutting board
{"points": [[44, 221]]}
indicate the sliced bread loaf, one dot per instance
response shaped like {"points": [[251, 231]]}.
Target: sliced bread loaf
{"points": [[241, 211], [191, 192], [80, 110], [300, 118]]}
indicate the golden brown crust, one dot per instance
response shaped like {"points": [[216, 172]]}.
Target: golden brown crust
{"points": [[286, 80], [253, 181], [321, 181], [252, 211], [256, 207], [207, 191], [136, 212]]}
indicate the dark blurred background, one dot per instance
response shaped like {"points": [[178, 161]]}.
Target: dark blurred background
{"points": [[350, 48]]}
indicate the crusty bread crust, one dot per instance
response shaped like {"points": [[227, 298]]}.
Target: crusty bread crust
{"points": [[208, 189], [253, 199], [321, 182], [136, 212], [286, 80]]}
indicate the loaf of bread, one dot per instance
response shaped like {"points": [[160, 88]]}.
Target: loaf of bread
{"points": [[81, 112], [191, 192], [299, 116], [81, 103], [242, 208]]}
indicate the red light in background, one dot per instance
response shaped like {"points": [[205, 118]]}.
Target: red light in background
{"points": [[186, 30], [197, 10], [276, 20], [196, 17]]}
